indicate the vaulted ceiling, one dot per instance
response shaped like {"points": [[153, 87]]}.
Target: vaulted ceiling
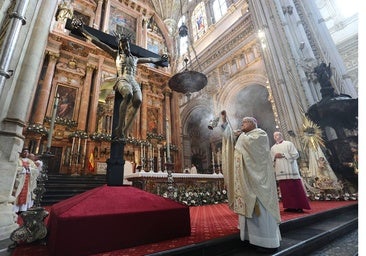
{"points": [[169, 9]]}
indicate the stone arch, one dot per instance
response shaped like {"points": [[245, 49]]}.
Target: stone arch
{"points": [[195, 118], [248, 95]]}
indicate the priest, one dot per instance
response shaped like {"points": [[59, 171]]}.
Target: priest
{"points": [[252, 190]]}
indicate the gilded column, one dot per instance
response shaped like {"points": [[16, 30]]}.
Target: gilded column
{"points": [[167, 94], [84, 104], [95, 97], [45, 89], [143, 123]]}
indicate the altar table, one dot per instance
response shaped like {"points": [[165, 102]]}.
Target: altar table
{"points": [[157, 182]]}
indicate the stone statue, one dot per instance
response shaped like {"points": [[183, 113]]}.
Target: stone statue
{"points": [[65, 11], [126, 84], [323, 73]]}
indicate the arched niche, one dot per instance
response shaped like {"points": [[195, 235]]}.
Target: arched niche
{"points": [[196, 135]]}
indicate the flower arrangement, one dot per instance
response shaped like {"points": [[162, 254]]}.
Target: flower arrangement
{"points": [[324, 189], [198, 195], [100, 136], [37, 128], [329, 196], [79, 134], [62, 121], [159, 137]]}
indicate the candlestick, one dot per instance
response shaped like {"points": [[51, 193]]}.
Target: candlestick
{"points": [[141, 154], [159, 160], [150, 151], [78, 153], [85, 147], [167, 140], [52, 126], [72, 145], [79, 145], [84, 154], [213, 162]]}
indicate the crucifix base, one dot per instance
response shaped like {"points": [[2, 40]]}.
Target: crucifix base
{"points": [[115, 164]]}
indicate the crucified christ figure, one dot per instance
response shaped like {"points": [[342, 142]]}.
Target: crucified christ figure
{"points": [[126, 84]]}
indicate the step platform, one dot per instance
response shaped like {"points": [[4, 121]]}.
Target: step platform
{"points": [[109, 218]]}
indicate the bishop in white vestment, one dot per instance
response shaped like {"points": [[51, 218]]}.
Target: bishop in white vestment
{"points": [[250, 178]]}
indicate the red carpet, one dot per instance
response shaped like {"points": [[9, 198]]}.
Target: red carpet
{"points": [[207, 222]]}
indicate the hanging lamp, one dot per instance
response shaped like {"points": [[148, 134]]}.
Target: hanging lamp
{"points": [[187, 81]]}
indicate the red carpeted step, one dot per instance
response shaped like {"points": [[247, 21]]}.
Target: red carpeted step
{"points": [[110, 218], [207, 222]]}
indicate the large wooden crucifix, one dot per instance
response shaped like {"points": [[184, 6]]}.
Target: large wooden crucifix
{"points": [[128, 96]]}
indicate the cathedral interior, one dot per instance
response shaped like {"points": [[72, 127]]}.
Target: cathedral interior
{"points": [[249, 57]]}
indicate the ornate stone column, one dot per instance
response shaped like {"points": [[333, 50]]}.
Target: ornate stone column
{"points": [[106, 15], [27, 60], [45, 89], [17, 20], [279, 59], [98, 14], [84, 103]]}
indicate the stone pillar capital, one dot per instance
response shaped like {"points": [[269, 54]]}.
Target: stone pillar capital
{"points": [[53, 55]]}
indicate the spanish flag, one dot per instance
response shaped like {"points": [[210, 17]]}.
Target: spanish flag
{"points": [[91, 163]]}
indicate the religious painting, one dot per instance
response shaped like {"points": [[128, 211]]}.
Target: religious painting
{"points": [[152, 120], [121, 22], [66, 104]]}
